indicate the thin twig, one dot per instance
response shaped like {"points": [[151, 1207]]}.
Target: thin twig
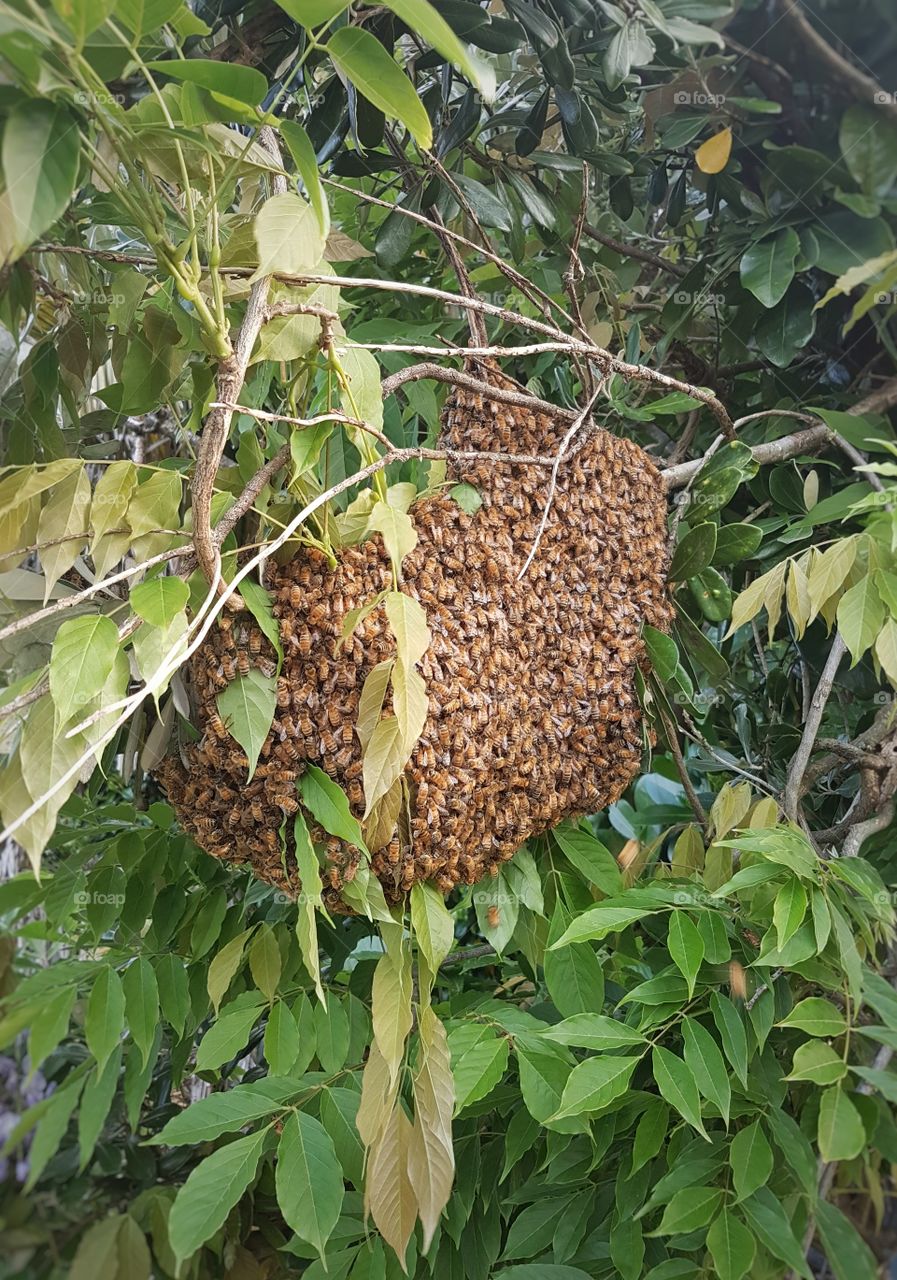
{"points": [[457, 378], [634, 251], [862, 86], [801, 758]]}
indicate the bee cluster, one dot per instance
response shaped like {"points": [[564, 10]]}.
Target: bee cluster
{"points": [[533, 712]]}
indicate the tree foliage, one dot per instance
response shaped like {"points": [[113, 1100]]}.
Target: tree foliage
{"points": [[659, 1042]]}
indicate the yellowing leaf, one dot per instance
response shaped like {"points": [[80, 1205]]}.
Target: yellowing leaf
{"points": [[388, 1193], [762, 591], [886, 649], [433, 926], [399, 533], [383, 761], [712, 156], [829, 570], [378, 1092], [288, 237], [431, 1159], [370, 704], [797, 596], [409, 626], [409, 700], [108, 511], [384, 816], [65, 513], [729, 808], [391, 1008]]}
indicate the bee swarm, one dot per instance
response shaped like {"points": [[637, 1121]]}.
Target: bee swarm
{"points": [[533, 713]]}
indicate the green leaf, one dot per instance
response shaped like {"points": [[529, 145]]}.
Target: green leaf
{"points": [[313, 13], [590, 857], [49, 1029], [705, 1061], [767, 266], [598, 922], [215, 1185], [574, 978], [41, 153], [81, 662], [397, 528], [96, 1103], [689, 1209], [774, 1231], [331, 1035], [226, 1037], [750, 1156], [818, 1062], [83, 16], [789, 910], [224, 967], [264, 962], [736, 542], [310, 898], [304, 158], [663, 653], [259, 603], [219, 1113], [732, 1033], [784, 845], [731, 1246], [328, 805], [426, 21], [593, 1031], [817, 1017], [676, 1083], [363, 60], [247, 708], [160, 600], [841, 1134], [384, 761], [861, 615], [686, 947], [595, 1084], [282, 1043], [230, 79], [847, 1252], [479, 1060], [694, 552], [141, 1003], [105, 1017], [309, 1180], [432, 924]]}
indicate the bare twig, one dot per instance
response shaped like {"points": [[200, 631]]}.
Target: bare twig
{"points": [[457, 378], [552, 484], [634, 251], [862, 86], [801, 758]]}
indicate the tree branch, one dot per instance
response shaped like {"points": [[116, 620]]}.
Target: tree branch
{"points": [[863, 87]]}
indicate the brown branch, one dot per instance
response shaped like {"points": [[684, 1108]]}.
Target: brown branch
{"points": [[865, 88], [633, 251], [801, 758], [456, 378]]}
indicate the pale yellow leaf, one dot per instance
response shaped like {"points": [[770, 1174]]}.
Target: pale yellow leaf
{"points": [[829, 570], [66, 512], [378, 1093], [397, 528], [370, 704], [763, 815], [797, 596], [401, 495], [712, 156], [288, 237], [750, 601], [383, 818], [15, 798], [431, 923], [431, 1160], [18, 529], [391, 1008], [409, 626], [109, 510], [886, 649], [389, 1195], [409, 700], [773, 596], [22, 483], [383, 760], [811, 489], [729, 808]]}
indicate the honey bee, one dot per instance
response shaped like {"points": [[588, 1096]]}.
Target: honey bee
{"points": [[216, 724], [243, 662], [255, 643], [318, 614], [296, 596], [493, 915], [328, 742], [306, 728]]}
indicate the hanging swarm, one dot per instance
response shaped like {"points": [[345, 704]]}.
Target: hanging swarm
{"points": [[533, 713]]}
